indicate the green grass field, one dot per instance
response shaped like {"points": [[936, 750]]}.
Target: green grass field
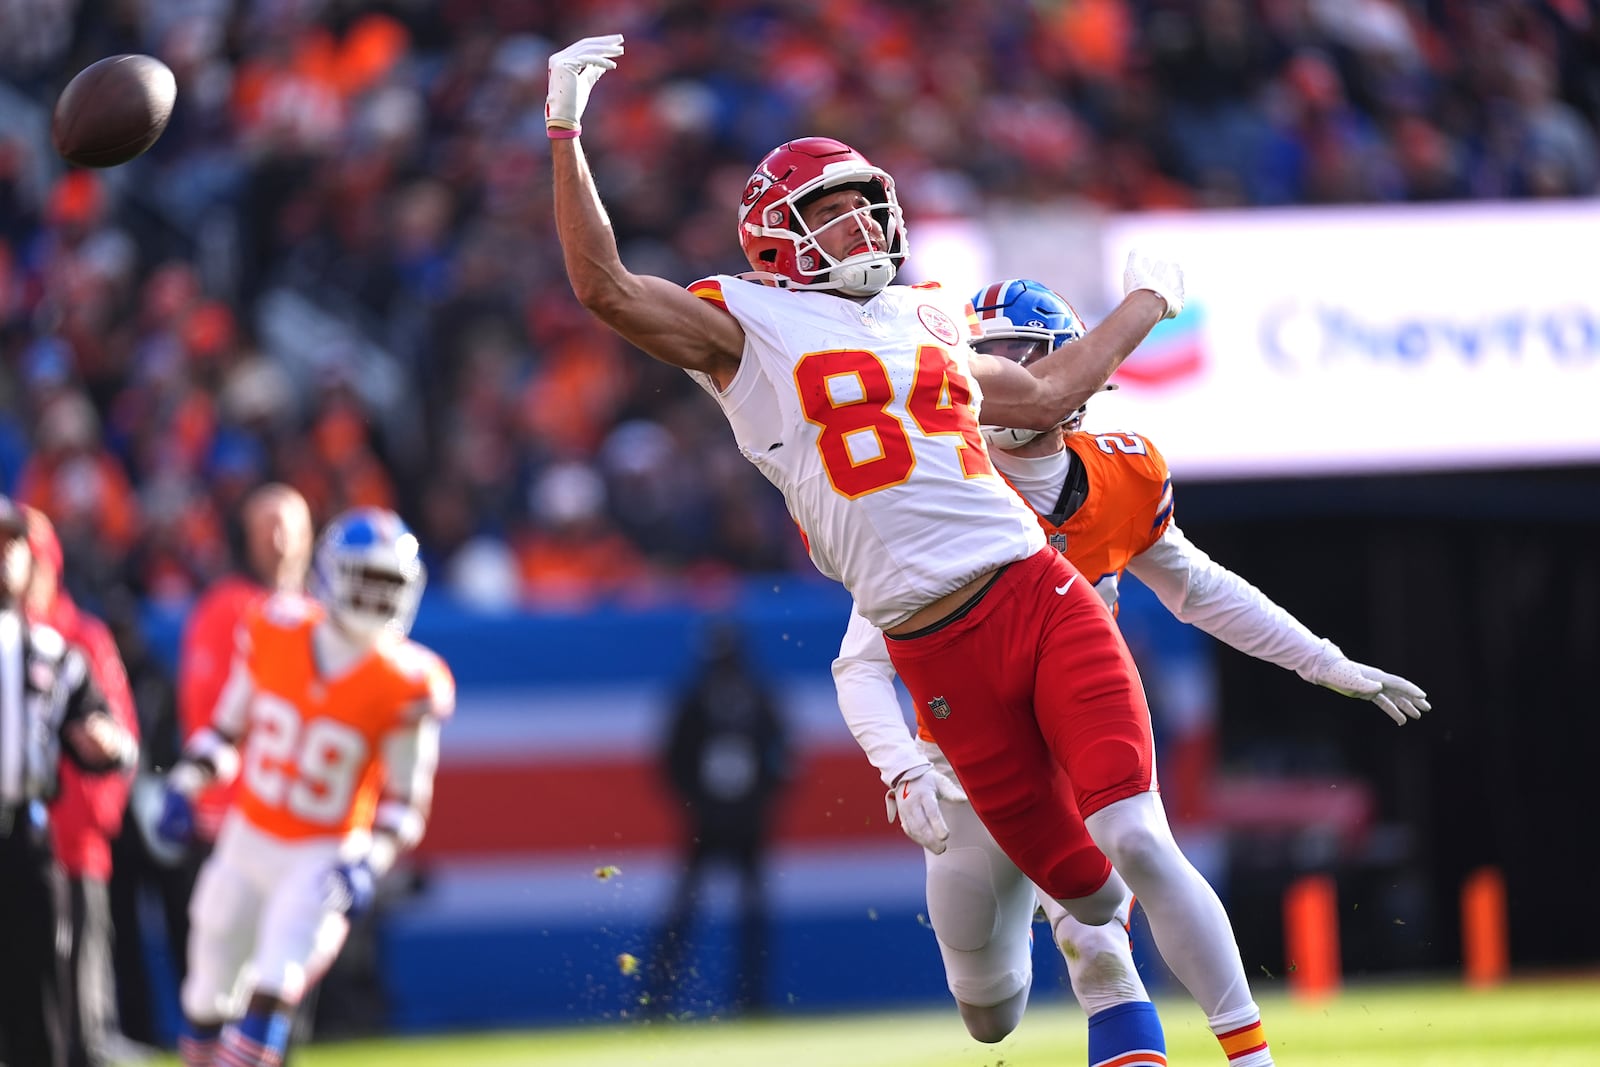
{"points": [[1539, 1024]]}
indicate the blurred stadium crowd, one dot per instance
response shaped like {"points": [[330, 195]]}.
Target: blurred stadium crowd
{"points": [[338, 267]]}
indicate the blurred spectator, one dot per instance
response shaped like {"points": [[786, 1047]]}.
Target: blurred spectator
{"points": [[726, 759], [80, 486], [85, 816], [570, 554]]}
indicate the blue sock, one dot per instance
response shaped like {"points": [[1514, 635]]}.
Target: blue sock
{"points": [[1128, 1035], [257, 1040]]}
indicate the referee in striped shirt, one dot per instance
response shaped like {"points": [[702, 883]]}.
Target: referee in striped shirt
{"points": [[49, 706]]}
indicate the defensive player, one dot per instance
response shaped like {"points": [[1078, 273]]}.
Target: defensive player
{"points": [[330, 718], [860, 400], [1105, 501]]}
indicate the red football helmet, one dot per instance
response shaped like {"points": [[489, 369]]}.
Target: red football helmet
{"points": [[777, 241]]}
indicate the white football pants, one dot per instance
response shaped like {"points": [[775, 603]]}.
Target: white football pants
{"points": [[982, 910], [258, 920]]}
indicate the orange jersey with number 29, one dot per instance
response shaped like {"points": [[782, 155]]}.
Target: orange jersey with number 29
{"points": [[313, 754]]}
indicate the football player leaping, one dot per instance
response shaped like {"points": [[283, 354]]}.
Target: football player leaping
{"points": [[1105, 501], [331, 720], [861, 400]]}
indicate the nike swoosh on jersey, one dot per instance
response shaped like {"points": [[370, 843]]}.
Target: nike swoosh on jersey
{"points": [[1061, 590]]}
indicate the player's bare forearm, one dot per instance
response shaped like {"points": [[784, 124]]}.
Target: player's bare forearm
{"points": [[657, 316], [1048, 390], [588, 245]]}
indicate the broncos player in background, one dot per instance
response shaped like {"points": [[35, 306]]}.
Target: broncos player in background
{"points": [[1105, 501], [330, 719]]}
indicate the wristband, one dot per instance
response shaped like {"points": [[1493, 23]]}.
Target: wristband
{"points": [[558, 134]]}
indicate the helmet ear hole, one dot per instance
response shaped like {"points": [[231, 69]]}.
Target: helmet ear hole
{"points": [[769, 256]]}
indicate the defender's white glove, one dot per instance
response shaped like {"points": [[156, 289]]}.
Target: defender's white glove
{"points": [[915, 798], [1006, 437], [1398, 698], [573, 72], [1161, 276]]}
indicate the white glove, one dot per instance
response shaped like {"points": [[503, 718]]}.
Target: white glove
{"points": [[573, 72], [1398, 698], [915, 798], [1006, 437], [1161, 276]]}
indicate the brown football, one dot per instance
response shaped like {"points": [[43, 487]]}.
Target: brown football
{"points": [[113, 110]]}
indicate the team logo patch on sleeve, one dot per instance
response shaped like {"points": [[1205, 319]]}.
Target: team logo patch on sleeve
{"points": [[940, 707], [939, 324]]}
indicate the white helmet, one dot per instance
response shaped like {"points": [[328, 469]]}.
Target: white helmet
{"points": [[368, 573]]}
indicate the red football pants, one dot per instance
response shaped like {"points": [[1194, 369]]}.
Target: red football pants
{"points": [[1037, 704]]}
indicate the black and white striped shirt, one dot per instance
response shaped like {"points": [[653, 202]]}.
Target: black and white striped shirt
{"points": [[45, 686]]}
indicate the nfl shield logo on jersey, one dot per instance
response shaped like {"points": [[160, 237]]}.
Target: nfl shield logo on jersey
{"points": [[940, 707], [1058, 541]]}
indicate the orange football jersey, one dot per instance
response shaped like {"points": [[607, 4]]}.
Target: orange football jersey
{"points": [[1127, 507], [313, 752]]}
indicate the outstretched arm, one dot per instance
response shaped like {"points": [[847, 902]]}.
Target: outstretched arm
{"points": [[656, 315], [1050, 389], [1198, 590]]}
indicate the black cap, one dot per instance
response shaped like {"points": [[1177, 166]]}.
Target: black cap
{"points": [[12, 520]]}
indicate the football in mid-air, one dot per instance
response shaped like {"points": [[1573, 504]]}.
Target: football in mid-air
{"points": [[113, 110]]}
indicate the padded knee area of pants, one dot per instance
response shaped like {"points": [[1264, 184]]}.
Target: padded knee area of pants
{"points": [[1136, 847], [994, 1022], [1100, 964], [962, 903], [1100, 907]]}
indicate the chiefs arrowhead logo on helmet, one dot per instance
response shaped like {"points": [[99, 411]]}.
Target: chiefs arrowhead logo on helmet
{"points": [[759, 183]]}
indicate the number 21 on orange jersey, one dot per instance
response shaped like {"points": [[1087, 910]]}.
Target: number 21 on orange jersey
{"points": [[846, 393]]}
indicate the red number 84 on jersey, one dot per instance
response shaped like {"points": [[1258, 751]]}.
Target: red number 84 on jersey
{"points": [[864, 442]]}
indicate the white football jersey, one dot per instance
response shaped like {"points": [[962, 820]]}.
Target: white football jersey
{"points": [[865, 416]]}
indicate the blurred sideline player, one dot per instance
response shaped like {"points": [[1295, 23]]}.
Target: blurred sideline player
{"points": [[330, 718], [86, 814], [860, 400], [1106, 502], [277, 554]]}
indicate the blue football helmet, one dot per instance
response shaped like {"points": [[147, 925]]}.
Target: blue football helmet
{"points": [[1021, 309], [367, 571], [1023, 320]]}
